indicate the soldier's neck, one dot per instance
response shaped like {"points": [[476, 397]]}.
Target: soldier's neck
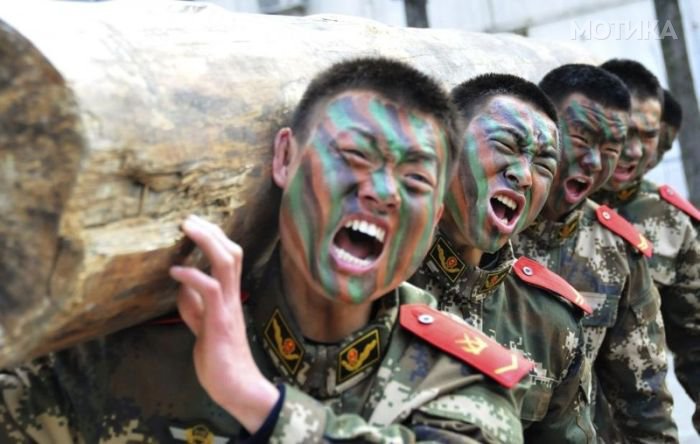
{"points": [[467, 252], [318, 317]]}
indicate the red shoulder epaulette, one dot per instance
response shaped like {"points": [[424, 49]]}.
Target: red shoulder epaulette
{"points": [[536, 274], [671, 196], [465, 343], [620, 226]]}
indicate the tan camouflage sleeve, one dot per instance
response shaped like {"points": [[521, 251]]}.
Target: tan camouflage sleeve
{"points": [[631, 365], [680, 307], [30, 411], [569, 416], [477, 413]]}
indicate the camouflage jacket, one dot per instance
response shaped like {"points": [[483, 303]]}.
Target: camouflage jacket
{"points": [[543, 326], [381, 384], [624, 335], [675, 268]]}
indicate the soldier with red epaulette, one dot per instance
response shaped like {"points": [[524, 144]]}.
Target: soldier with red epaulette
{"points": [[664, 217], [330, 346], [604, 257], [510, 149]]}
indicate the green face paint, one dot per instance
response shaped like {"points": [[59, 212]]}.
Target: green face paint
{"points": [[363, 198], [508, 161], [592, 137], [667, 134], [640, 147]]}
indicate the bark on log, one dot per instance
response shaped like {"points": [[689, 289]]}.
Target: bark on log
{"points": [[118, 120]]}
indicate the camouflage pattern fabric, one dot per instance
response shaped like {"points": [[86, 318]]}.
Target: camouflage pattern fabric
{"points": [[624, 335], [382, 384], [675, 268], [544, 326]]}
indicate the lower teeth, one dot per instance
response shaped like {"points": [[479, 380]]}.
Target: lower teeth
{"points": [[347, 257]]}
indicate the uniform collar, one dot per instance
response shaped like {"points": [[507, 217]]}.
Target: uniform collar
{"points": [[555, 233], [615, 199], [453, 281], [320, 369]]}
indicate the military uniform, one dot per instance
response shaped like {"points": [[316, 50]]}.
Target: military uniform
{"points": [[519, 315], [624, 335], [669, 222], [388, 382]]}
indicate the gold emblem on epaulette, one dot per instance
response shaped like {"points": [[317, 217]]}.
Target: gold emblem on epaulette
{"points": [[281, 340], [643, 243], [472, 345], [492, 280], [357, 356], [449, 263], [568, 229]]}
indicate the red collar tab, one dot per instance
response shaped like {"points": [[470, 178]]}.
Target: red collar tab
{"points": [[671, 196], [620, 226], [465, 343], [542, 277]]}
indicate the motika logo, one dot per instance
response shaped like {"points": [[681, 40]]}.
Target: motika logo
{"points": [[622, 30]]}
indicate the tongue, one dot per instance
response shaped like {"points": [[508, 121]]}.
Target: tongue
{"points": [[575, 187], [498, 209], [354, 243]]}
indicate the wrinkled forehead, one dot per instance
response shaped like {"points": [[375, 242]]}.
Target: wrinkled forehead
{"points": [[581, 112], [379, 122], [504, 112]]}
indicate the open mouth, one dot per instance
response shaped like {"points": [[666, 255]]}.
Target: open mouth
{"points": [[358, 244], [506, 210], [624, 172], [576, 189]]}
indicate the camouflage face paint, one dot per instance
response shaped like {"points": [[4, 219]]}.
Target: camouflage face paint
{"points": [[640, 146], [667, 134], [361, 204], [592, 137], [509, 158]]}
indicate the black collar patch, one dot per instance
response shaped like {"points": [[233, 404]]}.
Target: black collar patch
{"points": [[569, 228], [358, 355], [493, 279], [625, 195], [447, 260], [283, 343], [197, 434]]}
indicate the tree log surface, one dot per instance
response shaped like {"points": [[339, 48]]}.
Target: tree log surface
{"points": [[117, 120]]}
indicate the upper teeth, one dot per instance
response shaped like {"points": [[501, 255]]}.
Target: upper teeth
{"points": [[582, 181], [507, 201], [367, 228]]}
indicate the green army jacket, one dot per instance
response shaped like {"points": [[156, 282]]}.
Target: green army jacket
{"points": [[624, 335], [544, 326], [675, 268], [381, 384]]}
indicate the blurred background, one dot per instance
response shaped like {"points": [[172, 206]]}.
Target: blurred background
{"points": [[664, 35]]}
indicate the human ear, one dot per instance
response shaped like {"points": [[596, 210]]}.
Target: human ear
{"points": [[285, 149]]}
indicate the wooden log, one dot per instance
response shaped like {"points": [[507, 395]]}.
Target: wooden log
{"points": [[120, 119]]}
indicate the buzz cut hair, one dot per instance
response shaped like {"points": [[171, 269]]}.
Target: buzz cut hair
{"points": [[672, 113], [640, 82], [393, 80], [590, 81], [471, 95]]}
